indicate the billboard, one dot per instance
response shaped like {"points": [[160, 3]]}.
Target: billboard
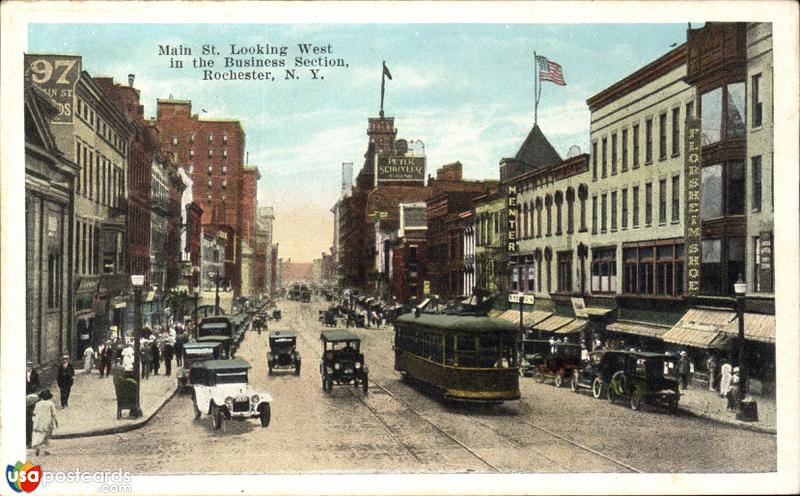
{"points": [[56, 75], [399, 168]]}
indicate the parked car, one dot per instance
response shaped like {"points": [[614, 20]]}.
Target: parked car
{"points": [[533, 354], [194, 354], [559, 364], [596, 373], [218, 329], [342, 362], [282, 352], [645, 379], [224, 394]]}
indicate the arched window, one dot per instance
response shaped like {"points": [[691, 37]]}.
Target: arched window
{"points": [[537, 258], [548, 203], [524, 219], [559, 199], [583, 194], [548, 261], [538, 217], [570, 210]]}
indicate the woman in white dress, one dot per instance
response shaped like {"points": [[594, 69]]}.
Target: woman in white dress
{"points": [[44, 421], [725, 382], [88, 360]]}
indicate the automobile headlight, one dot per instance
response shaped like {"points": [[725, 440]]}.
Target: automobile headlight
{"points": [[229, 402], [329, 370], [254, 399], [358, 365], [336, 366]]}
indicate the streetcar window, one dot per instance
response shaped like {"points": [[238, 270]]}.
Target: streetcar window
{"points": [[509, 353], [489, 354], [449, 350], [466, 351]]}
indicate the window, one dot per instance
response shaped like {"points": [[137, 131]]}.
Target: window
{"points": [[210, 138], [210, 153], [564, 276], [662, 137], [635, 201], [613, 154], [191, 138], [722, 113], [209, 182], [594, 160], [559, 202], [624, 150], [648, 204], [625, 208], [539, 219], [648, 143], [676, 196], [548, 204], [594, 215], [604, 157], [53, 281], [603, 211], [653, 270], [755, 174], [210, 169], [676, 132], [224, 138], [570, 211], [758, 104], [689, 110], [224, 169], [224, 153], [662, 201], [723, 190], [636, 146], [109, 252], [174, 140], [604, 270], [613, 210], [191, 169], [722, 263]]}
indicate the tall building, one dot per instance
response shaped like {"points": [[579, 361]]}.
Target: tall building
{"points": [[263, 249]]}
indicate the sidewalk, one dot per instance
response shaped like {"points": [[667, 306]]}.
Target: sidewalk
{"points": [[92, 407], [699, 401]]}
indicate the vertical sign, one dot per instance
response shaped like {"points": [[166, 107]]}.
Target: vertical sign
{"points": [[765, 267], [692, 234], [512, 218], [55, 75]]}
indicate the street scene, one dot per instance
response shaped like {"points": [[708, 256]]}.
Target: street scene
{"points": [[292, 249]]}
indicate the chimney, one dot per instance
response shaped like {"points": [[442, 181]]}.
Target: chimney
{"points": [[130, 79]]}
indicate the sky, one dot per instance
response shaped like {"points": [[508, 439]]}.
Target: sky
{"points": [[465, 90]]}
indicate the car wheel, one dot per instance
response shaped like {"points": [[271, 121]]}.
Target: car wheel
{"points": [[216, 417], [558, 380], [610, 394], [574, 382], [597, 388], [365, 384], [636, 399], [327, 385], [297, 369], [197, 411], [264, 414], [673, 405], [537, 374]]}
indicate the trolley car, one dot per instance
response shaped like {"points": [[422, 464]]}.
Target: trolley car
{"points": [[467, 358]]}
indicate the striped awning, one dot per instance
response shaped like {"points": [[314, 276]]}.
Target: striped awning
{"points": [[530, 319], [510, 315], [757, 327], [495, 313], [553, 323], [577, 325], [695, 335], [637, 328]]}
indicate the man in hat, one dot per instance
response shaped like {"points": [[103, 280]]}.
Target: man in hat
{"points": [[65, 379], [106, 356], [32, 379], [683, 369], [169, 349]]}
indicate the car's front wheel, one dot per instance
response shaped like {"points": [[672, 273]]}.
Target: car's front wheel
{"points": [[597, 388], [365, 384], [264, 414], [216, 417], [636, 399], [537, 374]]}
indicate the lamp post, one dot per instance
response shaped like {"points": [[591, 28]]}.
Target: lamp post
{"points": [[216, 297], [746, 410], [521, 296], [196, 301], [137, 281]]}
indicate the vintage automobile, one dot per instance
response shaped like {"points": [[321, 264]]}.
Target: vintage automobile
{"points": [[282, 352], [222, 392], [218, 329], [260, 323], [533, 354], [342, 362], [194, 354], [559, 364], [645, 379], [596, 373], [328, 317], [276, 314]]}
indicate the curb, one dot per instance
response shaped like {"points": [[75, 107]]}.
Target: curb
{"points": [[120, 428], [730, 423]]}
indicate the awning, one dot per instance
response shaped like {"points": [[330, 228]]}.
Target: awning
{"points": [[495, 313], [511, 316], [716, 318], [757, 327], [553, 323], [577, 325], [530, 319], [695, 335], [637, 328]]}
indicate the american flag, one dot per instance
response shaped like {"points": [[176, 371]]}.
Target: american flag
{"points": [[550, 71]]}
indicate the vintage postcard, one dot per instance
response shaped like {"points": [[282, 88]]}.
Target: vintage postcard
{"points": [[391, 247]]}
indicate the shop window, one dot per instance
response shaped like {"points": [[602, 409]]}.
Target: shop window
{"points": [[531, 278], [710, 269], [757, 104], [565, 272], [655, 270], [604, 270]]}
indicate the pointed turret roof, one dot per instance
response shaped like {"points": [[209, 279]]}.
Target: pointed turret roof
{"points": [[536, 151]]}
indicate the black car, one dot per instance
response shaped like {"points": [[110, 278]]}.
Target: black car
{"points": [[645, 379], [283, 352], [342, 362], [328, 317], [596, 373]]}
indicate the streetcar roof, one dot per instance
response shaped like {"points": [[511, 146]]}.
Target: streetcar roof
{"points": [[456, 323]]}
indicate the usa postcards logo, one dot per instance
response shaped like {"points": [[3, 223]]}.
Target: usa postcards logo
{"points": [[23, 477]]}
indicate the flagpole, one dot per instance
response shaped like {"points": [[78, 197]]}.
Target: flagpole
{"points": [[535, 87], [383, 83]]}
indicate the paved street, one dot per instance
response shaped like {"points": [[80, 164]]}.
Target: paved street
{"points": [[400, 428]]}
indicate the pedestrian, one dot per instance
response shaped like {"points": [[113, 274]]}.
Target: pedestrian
{"points": [[155, 356], [712, 365], [725, 381], [65, 379], [145, 359], [683, 369], [733, 392], [88, 359], [44, 421], [32, 376], [106, 357], [168, 352], [30, 406], [127, 358], [179, 349]]}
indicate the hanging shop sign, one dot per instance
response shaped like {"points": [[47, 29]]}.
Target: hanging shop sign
{"points": [[692, 234], [765, 261]]}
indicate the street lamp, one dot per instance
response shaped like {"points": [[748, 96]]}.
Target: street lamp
{"points": [[746, 410], [196, 301], [521, 296], [137, 281]]}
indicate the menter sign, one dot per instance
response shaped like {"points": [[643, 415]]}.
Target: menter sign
{"points": [[399, 168]]}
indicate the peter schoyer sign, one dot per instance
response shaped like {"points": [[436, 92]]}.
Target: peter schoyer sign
{"points": [[399, 168]]}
